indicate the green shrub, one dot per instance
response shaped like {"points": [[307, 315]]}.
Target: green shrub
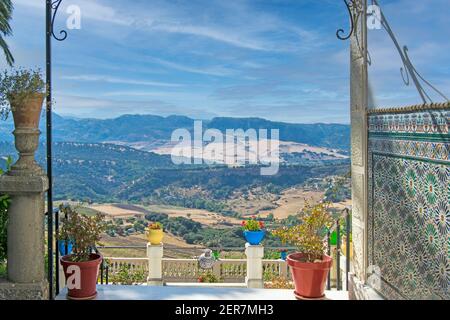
{"points": [[126, 276]]}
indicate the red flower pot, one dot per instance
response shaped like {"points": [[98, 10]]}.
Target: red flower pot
{"points": [[309, 278], [81, 277]]}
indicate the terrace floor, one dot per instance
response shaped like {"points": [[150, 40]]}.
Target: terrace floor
{"points": [[193, 292]]}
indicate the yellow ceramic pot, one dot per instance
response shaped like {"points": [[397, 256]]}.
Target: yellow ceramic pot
{"points": [[155, 236]]}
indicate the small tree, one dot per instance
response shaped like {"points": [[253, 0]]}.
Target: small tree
{"points": [[84, 231], [308, 236]]}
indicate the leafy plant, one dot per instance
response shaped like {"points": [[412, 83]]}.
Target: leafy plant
{"points": [[208, 277], [126, 276], [252, 224], [6, 9], [84, 231], [18, 85], [4, 204], [308, 236], [155, 226], [277, 282]]}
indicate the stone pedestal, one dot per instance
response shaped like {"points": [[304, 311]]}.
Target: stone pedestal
{"points": [[26, 185], [23, 291], [155, 255], [255, 254]]}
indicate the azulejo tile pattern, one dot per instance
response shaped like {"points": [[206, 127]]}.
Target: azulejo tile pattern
{"points": [[432, 121], [423, 149], [409, 203]]}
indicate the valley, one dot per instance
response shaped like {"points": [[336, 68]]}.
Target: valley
{"points": [[123, 168]]}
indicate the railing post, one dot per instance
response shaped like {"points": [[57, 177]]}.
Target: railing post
{"points": [[329, 254], [102, 268], [338, 255], [216, 269], [347, 248], [284, 269], [155, 255], [254, 278]]}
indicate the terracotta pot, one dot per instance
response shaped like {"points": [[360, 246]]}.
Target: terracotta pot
{"points": [[309, 278], [85, 287], [27, 113]]}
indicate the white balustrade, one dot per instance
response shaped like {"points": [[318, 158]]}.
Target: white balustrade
{"points": [[162, 270]]}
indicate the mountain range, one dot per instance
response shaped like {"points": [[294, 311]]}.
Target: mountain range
{"points": [[156, 130]]}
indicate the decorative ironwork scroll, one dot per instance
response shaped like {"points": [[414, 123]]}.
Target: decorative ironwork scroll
{"points": [[355, 9], [408, 72], [63, 33]]}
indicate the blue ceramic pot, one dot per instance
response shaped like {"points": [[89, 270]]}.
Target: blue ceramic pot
{"points": [[254, 237], [283, 255], [62, 247]]}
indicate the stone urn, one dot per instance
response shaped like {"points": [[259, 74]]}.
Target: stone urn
{"points": [[26, 113]]}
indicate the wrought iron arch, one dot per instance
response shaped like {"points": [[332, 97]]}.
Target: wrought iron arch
{"points": [[407, 71]]}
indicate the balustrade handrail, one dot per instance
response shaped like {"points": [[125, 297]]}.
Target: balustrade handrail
{"points": [[196, 248]]}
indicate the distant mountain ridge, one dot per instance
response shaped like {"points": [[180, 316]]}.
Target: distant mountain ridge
{"points": [[152, 128]]}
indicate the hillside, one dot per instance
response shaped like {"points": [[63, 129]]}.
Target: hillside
{"points": [[107, 172]]}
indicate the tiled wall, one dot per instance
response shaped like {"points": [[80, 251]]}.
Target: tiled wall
{"points": [[409, 202]]}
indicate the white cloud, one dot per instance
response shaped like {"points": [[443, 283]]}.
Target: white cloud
{"points": [[213, 71], [102, 78], [214, 33]]}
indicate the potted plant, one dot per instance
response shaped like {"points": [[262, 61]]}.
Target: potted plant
{"points": [[155, 233], [310, 265], [253, 230], [22, 92], [81, 267]]}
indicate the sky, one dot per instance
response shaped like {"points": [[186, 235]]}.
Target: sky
{"points": [[274, 59]]}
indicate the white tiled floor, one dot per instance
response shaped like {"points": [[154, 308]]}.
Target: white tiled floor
{"points": [[113, 292]]}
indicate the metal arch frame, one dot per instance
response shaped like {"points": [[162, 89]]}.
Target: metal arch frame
{"points": [[407, 71], [51, 10], [354, 8]]}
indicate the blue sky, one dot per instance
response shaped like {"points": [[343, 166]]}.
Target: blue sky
{"points": [[278, 60]]}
